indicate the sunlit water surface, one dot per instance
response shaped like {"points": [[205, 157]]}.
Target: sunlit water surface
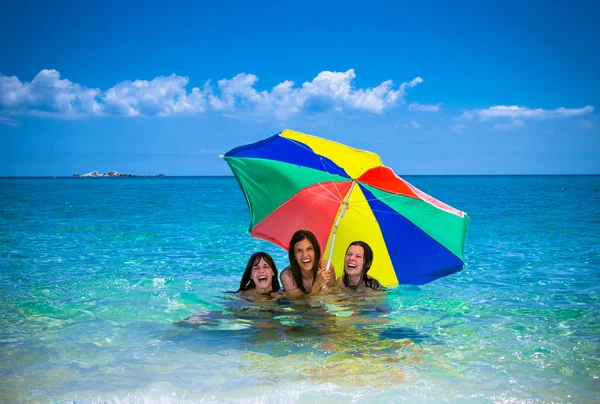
{"points": [[95, 275]]}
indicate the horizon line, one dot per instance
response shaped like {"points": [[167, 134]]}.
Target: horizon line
{"points": [[232, 176]]}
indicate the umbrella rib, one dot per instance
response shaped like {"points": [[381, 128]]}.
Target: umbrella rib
{"points": [[374, 210], [331, 178], [302, 145], [323, 196], [357, 211], [380, 198]]}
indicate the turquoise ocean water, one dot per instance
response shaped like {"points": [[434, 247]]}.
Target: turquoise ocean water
{"points": [[94, 273]]}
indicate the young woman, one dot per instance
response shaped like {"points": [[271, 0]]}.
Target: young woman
{"points": [[358, 260], [259, 281], [259, 284], [306, 273]]}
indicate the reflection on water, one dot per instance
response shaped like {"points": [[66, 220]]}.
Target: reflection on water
{"points": [[340, 339]]}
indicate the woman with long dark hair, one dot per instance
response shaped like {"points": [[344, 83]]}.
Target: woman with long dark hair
{"points": [[259, 280], [307, 273], [357, 262], [259, 283]]}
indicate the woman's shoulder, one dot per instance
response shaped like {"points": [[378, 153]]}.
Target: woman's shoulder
{"points": [[287, 278], [375, 284]]}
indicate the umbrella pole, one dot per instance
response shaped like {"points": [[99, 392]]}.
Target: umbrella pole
{"points": [[337, 222]]}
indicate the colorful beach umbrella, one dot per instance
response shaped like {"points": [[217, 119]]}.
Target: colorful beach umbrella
{"points": [[295, 181]]}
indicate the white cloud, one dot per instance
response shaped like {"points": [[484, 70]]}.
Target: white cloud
{"points": [[457, 128], [415, 106], [468, 115], [205, 152], [586, 124], [414, 124], [514, 124], [515, 112], [161, 96], [9, 121], [327, 91], [410, 84], [48, 94], [237, 92], [512, 116]]}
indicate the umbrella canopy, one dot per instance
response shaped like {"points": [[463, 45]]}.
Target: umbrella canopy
{"points": [[296, 181]]}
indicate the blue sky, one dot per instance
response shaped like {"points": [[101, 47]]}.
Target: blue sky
{"points": [[441, 87]]}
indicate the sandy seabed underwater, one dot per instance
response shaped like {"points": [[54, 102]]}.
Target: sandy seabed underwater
{"points": [[95, 273]]}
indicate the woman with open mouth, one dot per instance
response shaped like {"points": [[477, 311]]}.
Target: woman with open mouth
{"points": [[358, 260], [307, 273], [259, 281]]}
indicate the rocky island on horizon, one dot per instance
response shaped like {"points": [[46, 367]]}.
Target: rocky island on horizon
{"points": [[96, 174]]}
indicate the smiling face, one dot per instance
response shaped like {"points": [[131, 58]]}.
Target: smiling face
{"points": [[354, 262], [304, 252], [262, 274]]}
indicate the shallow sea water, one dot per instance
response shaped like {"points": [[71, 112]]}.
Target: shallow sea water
{"points": [[96, 273]]}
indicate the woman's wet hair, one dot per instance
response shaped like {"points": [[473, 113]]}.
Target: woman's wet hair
{"points": [[367, 262], [294, 266], [247, 282]]}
